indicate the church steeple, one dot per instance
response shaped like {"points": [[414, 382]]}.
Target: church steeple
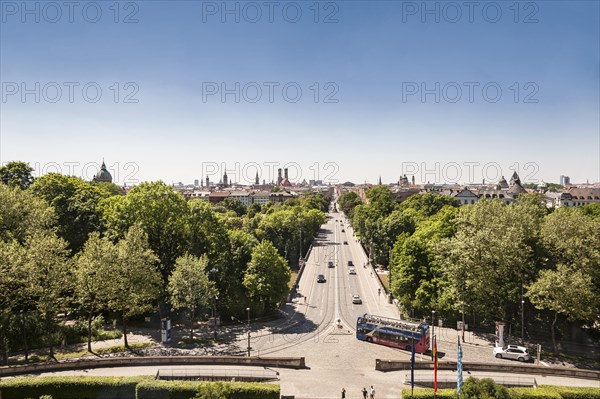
{"points": [[256, 181], [379, 181]]}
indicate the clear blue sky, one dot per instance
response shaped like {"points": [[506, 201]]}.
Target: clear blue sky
{"points": [[372, 58]]}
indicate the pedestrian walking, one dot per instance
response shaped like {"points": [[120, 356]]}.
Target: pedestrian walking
{"points": [[372, 395], [343, 393], [364, 392]]}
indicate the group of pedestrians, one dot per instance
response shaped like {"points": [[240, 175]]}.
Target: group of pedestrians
{"points": [[365, 392]]}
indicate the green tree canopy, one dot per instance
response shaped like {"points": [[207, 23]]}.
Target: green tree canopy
{"points": [[22, 214], [268, 275], [135, 283], [159, 211], [76, 204], [565, 291], [189, 286], [16, 174], [49, 281], [92, 278], [348, 201]]}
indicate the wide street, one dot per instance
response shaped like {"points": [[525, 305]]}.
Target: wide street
{"points": [[335, 358]]}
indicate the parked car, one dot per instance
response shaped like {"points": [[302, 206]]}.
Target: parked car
{"points": [[356, 299], [321, 278], [345, 242], [343, 231], [350, 263], [330, 264], [351, 270], [514, 352]]}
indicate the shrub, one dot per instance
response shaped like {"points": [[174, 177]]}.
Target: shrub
{"points": [[485, 388], [533, 393], [422, 393], [574, 392], [70, 387], [205, 390]]}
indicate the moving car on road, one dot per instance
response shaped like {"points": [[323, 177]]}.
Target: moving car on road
{"points": [[351, 270], [514, 352], [321, 278], [345, 242], [330, 264], [356, 299], [350, 263]]}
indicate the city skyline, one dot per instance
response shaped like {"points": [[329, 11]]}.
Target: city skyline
{"points": [[167, 87]]}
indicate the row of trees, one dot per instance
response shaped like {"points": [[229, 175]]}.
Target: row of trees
{"points": [[486, 256], [83, 248]]}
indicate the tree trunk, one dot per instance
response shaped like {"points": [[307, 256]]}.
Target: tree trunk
{"points": [[125, 333], [90, 330], [4, 351], [25, 342], [553, 333], [192, 314], [52, 352]]}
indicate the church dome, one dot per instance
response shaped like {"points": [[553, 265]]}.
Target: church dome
{"points": [[103, 174]]}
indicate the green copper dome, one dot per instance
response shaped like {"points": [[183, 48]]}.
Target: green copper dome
{"points": [[103, 175]]}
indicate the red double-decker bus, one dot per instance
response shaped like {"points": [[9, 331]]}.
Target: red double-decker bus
{"points": [[392, 332]]}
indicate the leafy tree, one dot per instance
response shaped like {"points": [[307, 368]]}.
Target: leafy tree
{"points": [[135, 283], [312, 200], [268, 275], [93, 275], [388, 229], [49, 281], [564, 291], [487, 259], [232, 204], [348, 201], [13, 293], [380, 200], [112, 188], [253, 209], [416, 273], [189, 286], [427, 204], [591, 210], [241, 246], [570, 237], [76, 204], [16, 174], [159, 211], [485, 388], [22, 214]]}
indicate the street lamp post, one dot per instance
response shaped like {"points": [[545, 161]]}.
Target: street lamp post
{"points": [[463, 321], [432, 331], [248, 328], [522, 314]]}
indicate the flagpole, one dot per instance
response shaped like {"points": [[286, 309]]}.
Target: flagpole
{"points": [[459, 380], [412, 366], [435, 366]]}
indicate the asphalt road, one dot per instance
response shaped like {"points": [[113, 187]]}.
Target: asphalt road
{"points": [[334, 356]]}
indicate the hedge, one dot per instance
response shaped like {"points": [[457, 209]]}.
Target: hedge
{"points": [[533, 393], [541, 392], [70, 387], [575, 392], [426, 393], [209, 390]]}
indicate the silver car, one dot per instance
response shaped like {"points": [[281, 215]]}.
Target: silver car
{"points": [[514, 352]]}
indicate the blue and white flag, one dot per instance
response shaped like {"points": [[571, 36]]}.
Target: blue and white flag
{"points": [[459, 367]]}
